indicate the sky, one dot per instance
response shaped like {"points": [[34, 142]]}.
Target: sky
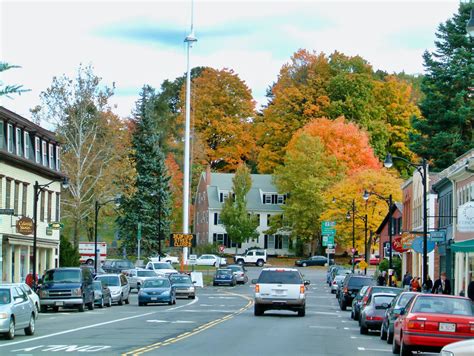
{"points": [[132, 43]]}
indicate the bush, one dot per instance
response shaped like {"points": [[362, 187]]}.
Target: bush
{"points": [[206, 249], [68, 254], [397, 266]]}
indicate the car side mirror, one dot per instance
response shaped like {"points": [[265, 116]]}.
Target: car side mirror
{"points": [[194, 282], [254, 281], [385, 305], [306, 283], [402, 311]]}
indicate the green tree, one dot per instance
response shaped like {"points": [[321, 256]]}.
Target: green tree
{"points": [[68, 254], [307, 172], [150, 202], [446, 129], [5, 89], [239, 224]]}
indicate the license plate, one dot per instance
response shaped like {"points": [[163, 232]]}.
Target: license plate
{"points": [[451, 327], [279, 292], [154, 298], [58, 304]]}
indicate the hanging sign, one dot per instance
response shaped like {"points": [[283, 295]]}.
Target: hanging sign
{"points": [[417, 245], [24, 226], [398, 244], [466, 217]]}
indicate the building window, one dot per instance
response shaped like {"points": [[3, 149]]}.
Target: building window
{"points": [[268, 219], [1, 186], [37, 150], [50, 203], [10, 138], [57, 158], [16, 197], [267, 199], [24, 199], [223, 196], [58, 200], [26, 144], [217, 219], [44, 152], [42, 206], [19, 143], [8, 190], [2, 135], [51, 156]]}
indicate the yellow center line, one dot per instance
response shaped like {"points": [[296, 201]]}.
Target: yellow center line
{"points": [[193, 332]]}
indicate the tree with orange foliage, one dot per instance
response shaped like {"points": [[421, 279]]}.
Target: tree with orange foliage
{"points": [[176, 189]]}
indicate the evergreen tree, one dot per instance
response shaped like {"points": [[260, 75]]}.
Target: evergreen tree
{"points": [[5, 89], [238, 223], [446, 129], [150, 202]]}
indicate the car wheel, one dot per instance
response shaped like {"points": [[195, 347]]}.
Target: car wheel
{"points": [[10, 335], [193, 297], [383, 332], [352, 313], [356, 315], [363, 330], [109, 303], [81, 307], [302, 312], [304, 264], [140, 304], [138, 287], [37, 308], [127, 301], [90, 306], [214, 284], [395, 347], [260, 263], [215, 264], [389, 336], [258, 310], [333, 291], [43, 308], [55, 309], [30, 330], [240, 262], [170, 302], [120, 302], [101, 305], [405, 350]]}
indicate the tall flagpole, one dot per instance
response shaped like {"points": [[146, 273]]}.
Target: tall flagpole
{"points": [[189, 40]]}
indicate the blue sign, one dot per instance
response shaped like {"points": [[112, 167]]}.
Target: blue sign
{"points": [[417, 245], [437, 236]]}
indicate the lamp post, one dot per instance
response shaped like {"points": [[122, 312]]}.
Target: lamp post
{"points": [[389, 202], [37, 189], [423, 171], [97, 208], [365, 219]]}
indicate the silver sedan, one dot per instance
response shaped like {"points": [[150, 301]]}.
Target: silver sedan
{"points": [[239, 273], [17, 311]]}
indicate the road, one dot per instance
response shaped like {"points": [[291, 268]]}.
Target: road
{"points": [[219, 321]]}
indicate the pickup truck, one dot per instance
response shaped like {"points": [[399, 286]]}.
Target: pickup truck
{"points": [[256, 257]]}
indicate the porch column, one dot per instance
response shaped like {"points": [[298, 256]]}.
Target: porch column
{"points": [[51, 258], [466, 274], [17, 269], [8, 263], [27, 261], [43, 260]]}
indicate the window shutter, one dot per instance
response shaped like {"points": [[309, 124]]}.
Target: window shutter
{"points": [[274, 199], [214, 237], [215, 218], [265, 243], [263, 198]]}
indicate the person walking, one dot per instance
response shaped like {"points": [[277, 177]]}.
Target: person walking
{"points": [[470, 290], [442, 285], [382, 280], [406, 281], [415, 284], [428, 286]]}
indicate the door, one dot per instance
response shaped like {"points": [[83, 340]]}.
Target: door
{"points": [[125, 286], [132, 279], [21, 308]]}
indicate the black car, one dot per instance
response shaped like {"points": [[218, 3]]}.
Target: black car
{"points": [[224, 276], [351, 286], [371, 316], [314, 261], [356, 303], [392, 313], [102, 296], [117, 266]]}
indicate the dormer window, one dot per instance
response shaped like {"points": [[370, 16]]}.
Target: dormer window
{"points": [[51, 156], [37, 150], [223, 196], [18, 141], [26, 145], [44, 152]]}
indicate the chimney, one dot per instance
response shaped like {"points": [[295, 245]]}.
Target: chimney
{"points": [[208, 175]]}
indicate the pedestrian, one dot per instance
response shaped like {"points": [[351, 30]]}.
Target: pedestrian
{"points": [[393, 280], [428, 286], [406, 280], [382, 280], [470, 290], [415, 284], [442, 285]]}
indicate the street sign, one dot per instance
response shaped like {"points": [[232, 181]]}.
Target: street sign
{"points": [[182, 240], [363, 265], [139, 232], [328, 228], [328, 240], [49, 231], [221, 248], [192, 260], [437, 236], [330, 250], [24, 226], [7, 211]]}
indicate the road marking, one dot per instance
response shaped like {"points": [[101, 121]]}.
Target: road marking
{"points": [[92, 326], [324, 313], [322, 327], [378, 350], [65, 348], [183, 322], [207, 311], [157, 321]]}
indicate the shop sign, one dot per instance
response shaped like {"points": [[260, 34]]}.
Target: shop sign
{"points": [[406, 240], [417, 245], [24, 226], [398, 244], [466, 217]]}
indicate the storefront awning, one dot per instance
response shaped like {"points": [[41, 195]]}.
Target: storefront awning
{"points": [[463, 246]]}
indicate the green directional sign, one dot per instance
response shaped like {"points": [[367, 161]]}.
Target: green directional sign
{"points": [[139, 232], [328, 228], [328, 240]]}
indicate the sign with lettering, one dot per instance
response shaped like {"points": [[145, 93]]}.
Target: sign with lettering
{"points": [[398, 244], [182, 240], [24, 226], [437, 236], [7, 211], [55, 225], [407, 239], [466, 217]]}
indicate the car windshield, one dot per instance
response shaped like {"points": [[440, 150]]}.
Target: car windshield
{"points": [[181, 279], [404, 299], [377, 289], [162, 265], [280, 277], [62, 276], [4, 296], [443, 305], [111, 281], [146, 274], [235, 268], [224, 272], [157, 283], [382, 299], [341, 272], [356, 282], [97, 285]]}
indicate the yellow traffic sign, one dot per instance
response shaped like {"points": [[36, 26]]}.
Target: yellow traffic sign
{"points": [[363, 265]]}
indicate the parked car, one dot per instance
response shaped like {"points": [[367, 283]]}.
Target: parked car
{"points": [[239, 273], [30, 293], [336, 284], [392, 313], [210, 260], [356, 302], [314, 261], [157, 290], [431, 321], [91, 268], [329, 276], [163, 269], [371, 317], [253, 257], [137, 276], [183, 285], [351, 286], [460, 348], [374, 260], [377, 289], [102, 295], [224, 276], [16, 311], [67, 287], [117, 266], [164, 257], [118, 285], [280, 289]]}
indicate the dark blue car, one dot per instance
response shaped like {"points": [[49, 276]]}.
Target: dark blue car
{"points": [[157, 290], [224, 276]]}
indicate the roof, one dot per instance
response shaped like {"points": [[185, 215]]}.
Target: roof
{"points": [[463, 246], [261, 183], [395, 206]]}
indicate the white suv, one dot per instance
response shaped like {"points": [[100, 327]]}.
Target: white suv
{"points": [[280, 289]]}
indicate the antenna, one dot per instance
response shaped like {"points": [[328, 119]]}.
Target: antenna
{"points": [[192, 16]]}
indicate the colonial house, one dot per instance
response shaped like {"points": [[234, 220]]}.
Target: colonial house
{"points": [[263, 200], [28, 154]]}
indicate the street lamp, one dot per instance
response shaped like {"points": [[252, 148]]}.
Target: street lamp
{"points": [[470, 24], [389, 202], [97, 208], [365, 219], [423, 171], [37, 189]]}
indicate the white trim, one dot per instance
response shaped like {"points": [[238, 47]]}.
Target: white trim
{"points": [[44, 153], [26, 144], [9, 138], [18, 145], [51, 155], [37, 150]]}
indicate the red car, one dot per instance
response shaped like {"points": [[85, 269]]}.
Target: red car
{"points": [[431, 321], [375, 260]]}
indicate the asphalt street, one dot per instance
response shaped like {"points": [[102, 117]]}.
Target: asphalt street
{"points": [[219, 321]]}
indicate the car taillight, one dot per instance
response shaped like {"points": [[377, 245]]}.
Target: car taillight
{"points": [[257, 288], [346, 290], [334, 282], [464, 328], [374, 317], [302, 289], [416, 324], [431, 325]]}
